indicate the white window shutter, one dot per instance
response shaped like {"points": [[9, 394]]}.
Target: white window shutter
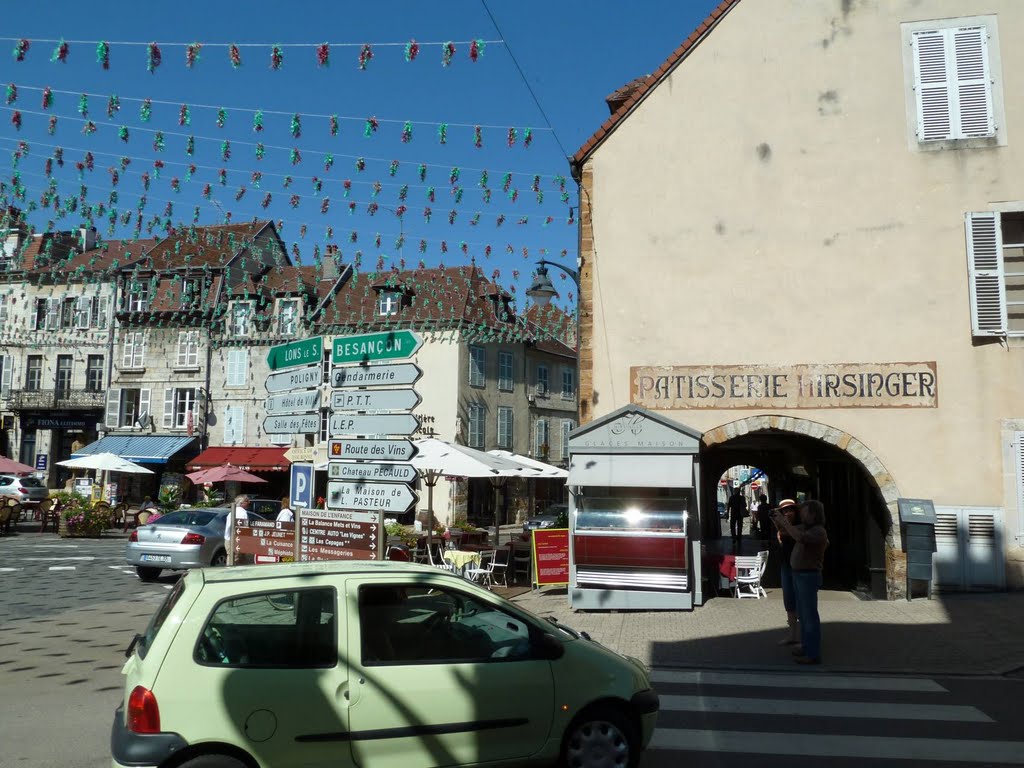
{"points": [[33, 318], [985, 270], [240, 424], [932, 86], [102, 305], [52, 314], [6, 374], [3, 309], [182, 347], [128, 353], [1018, 450], [145, 402], [238, 364], [113, 408], [973, 83], [193, 349], [168, 408], [140, 349], [83, 310]]}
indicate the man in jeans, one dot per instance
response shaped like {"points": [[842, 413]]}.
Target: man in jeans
{"points": [[737, 511]]}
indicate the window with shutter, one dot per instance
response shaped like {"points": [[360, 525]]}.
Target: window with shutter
{"points": [[6, 375], [83, 312], [234, 425], [3, 309], [238, 367], [100, 309], [145, 407], [52, 314], [540, 439], [505, 371], [957, 90], [476, 426], [505, 427], [168, 408], [188, 349], [985, 270], [113, 408], [477, 361], [567, 427]]}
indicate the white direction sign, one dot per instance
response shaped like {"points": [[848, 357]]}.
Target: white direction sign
{"points": [[393, 374], [375, 399], [373, 424], [295, 378], [390, 450], [371, 470], [348, 514], [293, 402], [294, 424], [395, 498]]}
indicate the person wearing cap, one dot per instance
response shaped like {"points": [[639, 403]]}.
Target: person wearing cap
{"points": [[789, 508], [806, 563]]}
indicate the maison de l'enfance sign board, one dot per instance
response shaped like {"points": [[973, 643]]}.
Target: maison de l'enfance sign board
{"points": [[831, 385]]}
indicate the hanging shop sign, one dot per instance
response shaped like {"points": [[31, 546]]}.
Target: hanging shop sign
{"points": [[829, 385]]}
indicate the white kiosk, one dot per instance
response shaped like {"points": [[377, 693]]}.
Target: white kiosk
{"points": [[634, 524]]}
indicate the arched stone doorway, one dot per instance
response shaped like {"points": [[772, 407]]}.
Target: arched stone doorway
{"points": [[812, 459]]}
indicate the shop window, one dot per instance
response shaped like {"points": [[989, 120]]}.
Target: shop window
{"points": [[295, 629]]}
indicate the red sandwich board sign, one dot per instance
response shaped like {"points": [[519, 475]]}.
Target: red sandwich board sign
{"points": [[550, 556]]}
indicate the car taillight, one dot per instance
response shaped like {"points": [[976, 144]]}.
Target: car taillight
{"points": [[143, 713], [22, 490], [134, 536], [193, 538]]}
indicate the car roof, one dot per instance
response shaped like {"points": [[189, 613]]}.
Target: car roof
{"points": [[321, 568]]}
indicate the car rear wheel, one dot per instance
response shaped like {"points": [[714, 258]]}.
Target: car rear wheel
{"points": [[601, 737], [147, 574], [220, 558]]}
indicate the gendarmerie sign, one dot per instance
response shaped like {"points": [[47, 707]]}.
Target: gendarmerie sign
{"points": [[830, 385]]}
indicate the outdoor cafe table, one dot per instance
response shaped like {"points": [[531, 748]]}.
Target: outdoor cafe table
{"points": [[462, 559]]}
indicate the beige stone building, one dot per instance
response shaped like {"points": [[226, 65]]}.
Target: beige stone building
{"points": [[802, 237]]}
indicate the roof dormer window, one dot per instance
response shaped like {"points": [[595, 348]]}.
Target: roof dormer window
{"points": [[388, 303]]}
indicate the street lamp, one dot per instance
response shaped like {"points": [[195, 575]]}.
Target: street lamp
{"points": [[542, 290]]}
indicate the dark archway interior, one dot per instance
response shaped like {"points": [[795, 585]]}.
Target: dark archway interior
{"points": [[802, 467]]}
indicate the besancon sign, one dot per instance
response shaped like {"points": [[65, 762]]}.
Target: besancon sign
{"points": [[368, 347]]}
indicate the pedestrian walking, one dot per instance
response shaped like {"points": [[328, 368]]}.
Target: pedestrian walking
{"points": [[737, 512], [285, 515], [764, 517], [785, 542], [806, 563]]}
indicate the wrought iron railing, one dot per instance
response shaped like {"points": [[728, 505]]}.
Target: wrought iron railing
{"points": [[27, 399]]}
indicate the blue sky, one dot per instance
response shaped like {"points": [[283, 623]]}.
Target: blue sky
{"points": [[573, 53]]}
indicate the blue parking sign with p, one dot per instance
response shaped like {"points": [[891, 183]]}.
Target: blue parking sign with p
{"points": [[302, 486]]}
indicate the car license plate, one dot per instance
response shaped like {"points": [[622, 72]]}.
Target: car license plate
{"points": [[156, 558]]}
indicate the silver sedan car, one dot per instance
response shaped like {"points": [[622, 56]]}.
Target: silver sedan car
{"points": [[185, 538]]}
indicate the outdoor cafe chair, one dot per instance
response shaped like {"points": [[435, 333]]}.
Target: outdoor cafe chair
{"points": [[5, 517], [483, 573], [49, 513], [749, 570], [500, 564], [13, 516], [522, 562]]}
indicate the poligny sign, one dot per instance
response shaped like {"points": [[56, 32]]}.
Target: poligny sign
{"points": [[828, 385]]}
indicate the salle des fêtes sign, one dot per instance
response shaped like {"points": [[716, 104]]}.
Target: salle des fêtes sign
{"points": [[830, 385]]}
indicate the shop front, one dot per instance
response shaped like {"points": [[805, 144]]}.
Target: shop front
{"points": [[165, 455], [634, 516], [267, 462]]}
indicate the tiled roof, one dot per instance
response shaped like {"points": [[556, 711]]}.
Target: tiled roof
{"points": [[210, 246], [278, 281], [651, 83], [432, 299], [553, 328], [113, 254], [47, 251], [618, 97]]}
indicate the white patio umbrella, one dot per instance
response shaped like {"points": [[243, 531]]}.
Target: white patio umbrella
{"points": [[438, 458], [106, 462], [544, 470]]}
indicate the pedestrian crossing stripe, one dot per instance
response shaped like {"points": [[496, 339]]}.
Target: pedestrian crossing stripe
{"points": [[62, 567], [815, 745], [803, 680], [846, 709]]}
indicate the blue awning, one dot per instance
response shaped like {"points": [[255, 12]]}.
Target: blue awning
{"points": [[142, 449]]}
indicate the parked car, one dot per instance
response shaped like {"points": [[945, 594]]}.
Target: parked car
{"points": [[185, 538], [26, 490], [265, 508], [547, 519], [370, 664]]}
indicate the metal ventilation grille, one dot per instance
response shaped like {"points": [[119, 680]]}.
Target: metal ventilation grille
{"points": [[981, 526], [945, 525]]}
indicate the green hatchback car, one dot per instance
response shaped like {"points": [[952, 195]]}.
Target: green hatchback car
{"points": [[370, 664]]}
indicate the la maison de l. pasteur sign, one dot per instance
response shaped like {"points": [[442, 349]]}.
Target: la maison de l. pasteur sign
{"points": [[828, 385]]}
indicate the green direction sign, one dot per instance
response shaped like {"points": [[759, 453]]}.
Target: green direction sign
{"points": [[294, 353], [370, 347]]}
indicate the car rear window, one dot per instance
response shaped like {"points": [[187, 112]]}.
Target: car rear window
{"points": [[146, 642], [32, 482], [183, 517]]}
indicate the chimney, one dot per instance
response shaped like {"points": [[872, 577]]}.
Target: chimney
{"points": [[87, 238], [329, 265]]}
